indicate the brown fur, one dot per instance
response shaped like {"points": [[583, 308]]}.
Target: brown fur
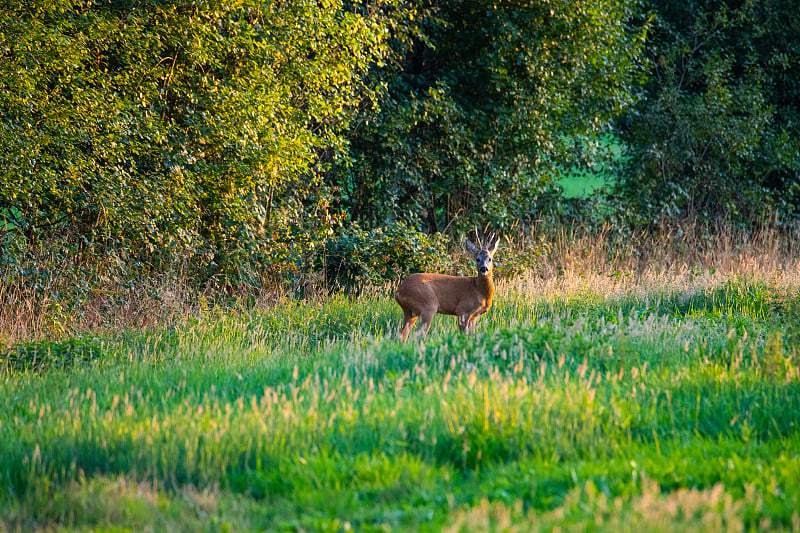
{"points": [[467, 297]]}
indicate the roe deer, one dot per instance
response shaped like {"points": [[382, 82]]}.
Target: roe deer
{"points": [[424, 295]]}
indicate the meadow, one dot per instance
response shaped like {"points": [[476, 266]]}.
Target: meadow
{"points": [[599, 393]]}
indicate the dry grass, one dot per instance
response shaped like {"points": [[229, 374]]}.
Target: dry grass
{"points": [[766, 250], [682, 260], [576, 261], [31, 313]]}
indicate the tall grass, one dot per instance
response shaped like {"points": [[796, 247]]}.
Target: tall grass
{"points": [[57, 296], [593, 395]]}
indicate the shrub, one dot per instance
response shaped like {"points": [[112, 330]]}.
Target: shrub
{"points": [[475, 108], [357, 258]]}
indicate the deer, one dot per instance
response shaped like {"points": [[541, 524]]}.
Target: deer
{"points": [[424, 295]]}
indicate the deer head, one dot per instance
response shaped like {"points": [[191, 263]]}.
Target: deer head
{"points": [[483, 256]]}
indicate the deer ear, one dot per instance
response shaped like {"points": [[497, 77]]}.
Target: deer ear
{"points": [[471, 247]]}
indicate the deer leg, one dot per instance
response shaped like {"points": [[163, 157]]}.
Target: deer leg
{"points": [[408, 323], [472, 323], [463, 323], [425, 320]]}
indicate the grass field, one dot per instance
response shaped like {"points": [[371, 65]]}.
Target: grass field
{"points": [[655, 400]]}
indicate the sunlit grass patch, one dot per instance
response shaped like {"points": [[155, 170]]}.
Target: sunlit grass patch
{"points": [[707, 510]]}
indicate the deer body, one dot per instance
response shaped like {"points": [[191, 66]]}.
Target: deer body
{"points": [[423, 296]]}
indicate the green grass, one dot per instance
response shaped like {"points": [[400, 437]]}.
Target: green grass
{"points": [[644, 408], [582, 181]]}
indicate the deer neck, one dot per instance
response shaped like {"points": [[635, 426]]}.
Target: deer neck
{"points": [[483, 282]]}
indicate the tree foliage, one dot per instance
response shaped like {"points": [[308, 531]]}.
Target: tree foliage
{"points": [[173, 127], [476, 107], [237, 137], [717, 135]]}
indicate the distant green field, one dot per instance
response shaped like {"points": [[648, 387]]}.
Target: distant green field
{"points": [[642, 408], [583, 181], [582, 184]]}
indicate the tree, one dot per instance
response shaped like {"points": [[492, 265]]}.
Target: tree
{"points": [[476, 108], [717, 135], [177, 128]]}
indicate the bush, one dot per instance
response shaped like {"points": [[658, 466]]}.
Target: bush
{"points": [[357, 258]]}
